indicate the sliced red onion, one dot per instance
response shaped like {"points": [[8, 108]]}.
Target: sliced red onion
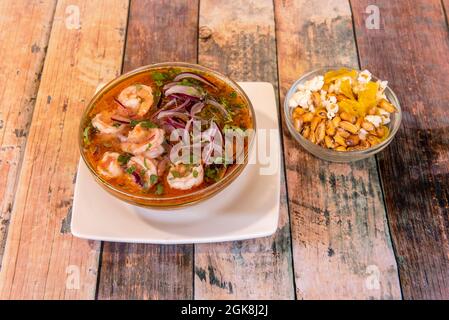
{"points": [[120, 119], [218, 106], [169, 104], [203, 122], [168, 128], [187, 129], [164, 107], [175, 124], [183, 90], [182, 106], [175, 114], [137, 178], [169, 85], [189, 124], [208, 152], [195, 76], [118, 101], [213, 134], [182, 97], [197, 107]]}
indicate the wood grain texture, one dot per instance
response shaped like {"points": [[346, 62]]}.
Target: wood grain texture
{"points": [[42, 259], [341, 243], [411, 50], [24, 37], [138, 271], [445, 4], [237, 38]]}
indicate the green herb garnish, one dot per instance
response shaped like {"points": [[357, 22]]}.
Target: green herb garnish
{"points": [[148, 124], [158, 78], [175, 174], [143, 123], [145, 163], [224, 102], [134, 123], [124, 158], [159, 189], [186, 82], [153, 179], [222, 161], [212, 173], [195, 173], [193, 159], [233, 94], [235, 129], [173, 72], [86, 134], [131, 169]]}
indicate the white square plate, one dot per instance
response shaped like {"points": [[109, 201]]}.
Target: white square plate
{"points": [[248, 208]]}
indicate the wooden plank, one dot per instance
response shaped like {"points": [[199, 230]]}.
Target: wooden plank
{"points": [[237, 38], [341, 243], [24, 32], [446, 10], [137, 271], [411, 49], [42, 259]]}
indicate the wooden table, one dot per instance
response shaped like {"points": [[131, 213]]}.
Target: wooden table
{"points": [[374, 229]]}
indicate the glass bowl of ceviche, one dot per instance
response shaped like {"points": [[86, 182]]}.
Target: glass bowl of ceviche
{"points": [[341, 114], [167, 135]]}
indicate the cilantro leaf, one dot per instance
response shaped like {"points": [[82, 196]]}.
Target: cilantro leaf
{"points": [[158, 78], [147, 124], [175, 174], [131, 169], [153, 179], [124, 158], [212, 173], [86, 134], [159, 189]]}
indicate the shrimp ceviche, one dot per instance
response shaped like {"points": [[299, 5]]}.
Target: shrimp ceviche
{"points": [[343, 110], [140, 135]]}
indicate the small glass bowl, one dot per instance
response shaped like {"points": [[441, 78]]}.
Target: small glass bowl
{"points": [[329, 154], [186, 199]]}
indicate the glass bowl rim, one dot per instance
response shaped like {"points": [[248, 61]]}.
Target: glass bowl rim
{"points": [[330, 152], [197, 195]]}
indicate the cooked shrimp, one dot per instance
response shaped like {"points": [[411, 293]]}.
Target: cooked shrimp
{"points": [[103, 122], [109, 166], [147, 166], [184, 177], [137, 99], [144, 141]]}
